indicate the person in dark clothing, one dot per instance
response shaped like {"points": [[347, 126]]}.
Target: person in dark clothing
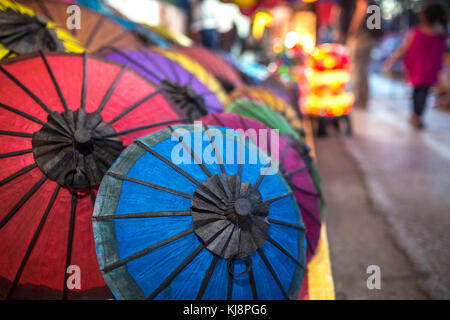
{"points": [[420, 95]]}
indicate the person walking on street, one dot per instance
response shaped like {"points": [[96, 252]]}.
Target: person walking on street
{"points": [[423, 50], [353, 31]]}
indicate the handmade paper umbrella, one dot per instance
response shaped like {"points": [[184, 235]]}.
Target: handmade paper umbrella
{"points": [[173, 38], [22, 31], [282, 93], [96, 29], [292, 167], [179, 217], [202, 74], [287, 91], [262, 113], [149, 37], [64, 119], [214, 63], [273, 101], [185, 89]]}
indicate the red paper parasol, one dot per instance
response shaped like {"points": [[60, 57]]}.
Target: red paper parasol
{"points": [[64, 119]]}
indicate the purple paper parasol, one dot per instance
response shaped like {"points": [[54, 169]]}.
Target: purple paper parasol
{"points": [[191, 95]]}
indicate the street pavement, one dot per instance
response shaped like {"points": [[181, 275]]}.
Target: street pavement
{"points": [[387, 192]]}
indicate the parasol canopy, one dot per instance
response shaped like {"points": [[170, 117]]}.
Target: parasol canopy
{"points": [[214, 63], [272, 101], [287, 91], [190, 93], [97, 30], [64, 119], [292, 167], [173, 38], [262, 113], [22, 31], [207, 227], [202, 74]]}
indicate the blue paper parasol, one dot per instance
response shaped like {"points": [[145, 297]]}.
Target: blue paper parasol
{"points": [[219, 224]]}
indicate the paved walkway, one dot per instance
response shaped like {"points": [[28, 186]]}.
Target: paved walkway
{"points": [[387, 190]]}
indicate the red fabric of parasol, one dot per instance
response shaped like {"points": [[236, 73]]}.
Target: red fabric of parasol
{"points": [[64, 119]]}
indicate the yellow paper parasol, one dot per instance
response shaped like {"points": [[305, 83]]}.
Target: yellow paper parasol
{"points": [[24, 31], [176, 38], [271, 100]]}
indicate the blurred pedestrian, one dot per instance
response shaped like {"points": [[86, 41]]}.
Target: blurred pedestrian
{"points": [[353, 31], [207, 24], [423, 50]]}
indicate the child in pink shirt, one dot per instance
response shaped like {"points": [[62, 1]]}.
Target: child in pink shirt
{"points": [[423, 51]]}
